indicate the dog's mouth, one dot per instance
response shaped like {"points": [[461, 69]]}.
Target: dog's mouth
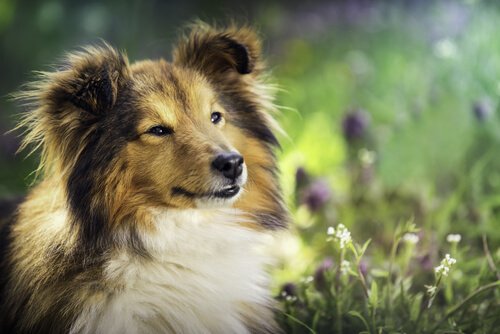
{"points": [[226, 192]]}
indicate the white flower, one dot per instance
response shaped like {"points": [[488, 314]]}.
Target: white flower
{"points": [[449, 260], [445, 266], [453, 238], [307, 279], [442, 270], [410, 238], [345, 266], [343, 235], [445, 49], [366, 157]]}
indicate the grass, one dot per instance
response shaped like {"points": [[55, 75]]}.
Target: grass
{"points": [[396, 138]]}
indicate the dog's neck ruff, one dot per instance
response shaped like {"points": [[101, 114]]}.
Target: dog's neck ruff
{"points": [[206, 274]]}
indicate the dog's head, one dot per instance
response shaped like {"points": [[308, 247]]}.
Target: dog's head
{"points": [[192, 133]]}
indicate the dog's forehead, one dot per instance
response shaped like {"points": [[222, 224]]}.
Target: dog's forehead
{"points": [[167, 89]]}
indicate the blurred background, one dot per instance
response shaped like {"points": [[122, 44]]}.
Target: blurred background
{"points": [[391, 110]]}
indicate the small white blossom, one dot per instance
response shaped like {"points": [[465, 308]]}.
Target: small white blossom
{"points": [[343, 235], [340, 234], [443, 270], [449, 260], [366, 157], [345, 266], [445, 49], [453, 238], [410, 238], [307, 279], [446, 264]]}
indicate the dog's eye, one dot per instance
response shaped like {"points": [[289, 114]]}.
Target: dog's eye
{"points": [[159, 131], [216, 117]]}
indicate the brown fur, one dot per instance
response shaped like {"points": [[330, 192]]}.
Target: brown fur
{"points": [[101, 169]]}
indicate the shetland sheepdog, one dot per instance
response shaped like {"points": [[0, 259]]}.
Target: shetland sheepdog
{"points": [[157, 190]]}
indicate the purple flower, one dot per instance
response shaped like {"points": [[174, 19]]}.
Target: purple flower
{"points": [[363, 267], [355, 124], [288, 290], [316, 195], [301, 177], [482, 110], [426, 262], [320, 274]]}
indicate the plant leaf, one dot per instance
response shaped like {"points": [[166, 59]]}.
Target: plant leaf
{"points": [[373, 296], [358, 315]]}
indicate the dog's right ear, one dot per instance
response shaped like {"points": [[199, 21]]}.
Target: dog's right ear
{"points": [[90, 81]]}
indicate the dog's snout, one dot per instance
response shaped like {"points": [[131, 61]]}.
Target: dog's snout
{"points": [[229, 164]]}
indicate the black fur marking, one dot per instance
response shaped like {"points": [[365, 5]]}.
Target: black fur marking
{"points": [[227, 193], [83, 187], [6, 315], [246, 117], [240, 54], [218, 54], [95, 88], [10, 315], [275, 220], [178, 191], [86, 181]]}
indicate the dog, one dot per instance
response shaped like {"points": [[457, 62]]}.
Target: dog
{"points": [[157, 190]]}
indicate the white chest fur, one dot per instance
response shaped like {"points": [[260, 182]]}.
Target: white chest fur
{"points": [[206, 273]]}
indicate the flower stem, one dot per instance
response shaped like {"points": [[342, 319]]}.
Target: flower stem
{"points": [[363, 281], [360, 273], [489, 258], [299, 322], [392, 259], [464, 302], [431, 298], [337, 293]]}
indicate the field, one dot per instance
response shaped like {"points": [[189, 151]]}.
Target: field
{"points": [[390, 165], [393, 133]]}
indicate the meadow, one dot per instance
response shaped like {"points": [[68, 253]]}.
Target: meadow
{"points": [[391, 170], [390, 163]]}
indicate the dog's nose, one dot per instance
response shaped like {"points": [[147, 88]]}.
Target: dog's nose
{"points": [[229, 164]]}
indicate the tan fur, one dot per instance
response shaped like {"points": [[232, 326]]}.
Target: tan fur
{"points": [[109, 196]]}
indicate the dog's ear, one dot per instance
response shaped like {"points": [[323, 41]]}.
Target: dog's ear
{"points": [[216, 52], [63, 105], [90, 80]]}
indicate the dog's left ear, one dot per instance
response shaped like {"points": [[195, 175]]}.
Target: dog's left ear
{"points": [[217, 52]]}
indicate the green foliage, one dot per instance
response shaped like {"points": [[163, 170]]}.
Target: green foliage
{"points": [[348, 296], [424, 166]]}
